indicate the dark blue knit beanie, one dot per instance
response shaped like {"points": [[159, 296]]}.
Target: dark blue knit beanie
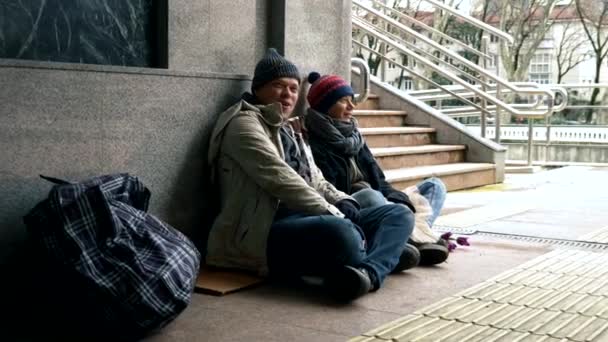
{"points": [[273, 66]]}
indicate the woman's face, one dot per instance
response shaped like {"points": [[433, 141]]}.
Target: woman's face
{"points": [[342, 110]]}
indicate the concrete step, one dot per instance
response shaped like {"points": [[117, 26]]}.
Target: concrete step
{"points": [[398, 136], [409, 156], [372, 102], [456, 175], [380, 118], [523, 169]]}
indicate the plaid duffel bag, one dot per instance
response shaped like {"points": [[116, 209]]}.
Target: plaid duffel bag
{"points": [[130, 271]]}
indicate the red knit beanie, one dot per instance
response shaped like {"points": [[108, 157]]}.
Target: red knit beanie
{"points": [[326, 90]]}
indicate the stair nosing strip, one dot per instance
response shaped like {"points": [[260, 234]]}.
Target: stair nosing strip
{"points": [[379, 112], [416, 149], [396, 130], [440, 174]]}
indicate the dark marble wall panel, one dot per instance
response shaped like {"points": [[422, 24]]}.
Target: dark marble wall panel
{"points": [[111, 32]]}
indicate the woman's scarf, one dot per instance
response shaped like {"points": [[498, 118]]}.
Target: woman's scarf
{"points": [[342, 137]]}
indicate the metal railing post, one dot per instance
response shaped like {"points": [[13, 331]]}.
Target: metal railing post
{"points": [[484, 103], [383, 62], [530, 138], [497, 117]]}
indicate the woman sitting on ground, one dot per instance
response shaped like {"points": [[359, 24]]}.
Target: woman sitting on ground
{"points": [[344, 158]]}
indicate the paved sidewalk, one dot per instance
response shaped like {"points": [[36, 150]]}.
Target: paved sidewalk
{"points": [[559, 296], [566, 204]]}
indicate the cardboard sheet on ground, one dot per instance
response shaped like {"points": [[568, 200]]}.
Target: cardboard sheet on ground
{"points": [[219, 282]]}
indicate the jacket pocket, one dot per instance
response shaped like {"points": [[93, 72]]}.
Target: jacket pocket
{"points": [[247, 217]]}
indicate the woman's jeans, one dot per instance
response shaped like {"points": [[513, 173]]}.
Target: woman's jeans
{"points": [[432, 189], [302, 245]]}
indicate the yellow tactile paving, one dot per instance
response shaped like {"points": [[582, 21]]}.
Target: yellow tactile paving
{"points": [[559, 296], [597, 236]]}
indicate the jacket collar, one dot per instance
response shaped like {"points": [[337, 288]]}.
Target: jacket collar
{"points": [[271, 114]]}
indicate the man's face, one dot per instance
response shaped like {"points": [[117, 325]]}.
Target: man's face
{"points": [[283, 90]]}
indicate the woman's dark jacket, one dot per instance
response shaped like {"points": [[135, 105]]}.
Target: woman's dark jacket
{"points": [[336, 170]]}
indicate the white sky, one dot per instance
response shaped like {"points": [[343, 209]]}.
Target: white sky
{"points": [[464, 7]]}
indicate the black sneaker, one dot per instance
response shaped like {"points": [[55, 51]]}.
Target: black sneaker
{"points": [[410, 258], [348, 283], [432, 253]]}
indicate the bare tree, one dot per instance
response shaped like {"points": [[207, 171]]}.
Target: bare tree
{"points": [[441, 20], [593, 16], [569, 52], [528, 22]]}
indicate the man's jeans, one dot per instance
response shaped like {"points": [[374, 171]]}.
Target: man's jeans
{"points": [[432, 189], [302, 245]]}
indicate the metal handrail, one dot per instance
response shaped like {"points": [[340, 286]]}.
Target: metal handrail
{"points": [[426, 79], [373, 31], [586, 107], [434, 94], [361, 24], [430, 56], [579, 85], [432, 29], [470, 111], [422, 56], [473, 21], [364, 80], [483, 88]]}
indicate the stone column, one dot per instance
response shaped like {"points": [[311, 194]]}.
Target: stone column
{"points": [[314, 34]]}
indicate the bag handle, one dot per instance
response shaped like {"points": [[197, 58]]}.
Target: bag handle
{"points": [[55, 180]]}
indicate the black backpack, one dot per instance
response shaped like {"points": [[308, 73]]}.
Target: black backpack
{"points": [[124, 270]]}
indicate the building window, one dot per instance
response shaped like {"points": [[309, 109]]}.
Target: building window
{"points": [[406, 83], [409, 62], [540, 68], [492, 61], [540, 78], [493, 38], [126, 32]]}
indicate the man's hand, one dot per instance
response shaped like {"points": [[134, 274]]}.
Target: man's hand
{"points": [[349, 208]]}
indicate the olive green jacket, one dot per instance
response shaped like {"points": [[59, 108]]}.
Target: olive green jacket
{"points": [[248, 168]]}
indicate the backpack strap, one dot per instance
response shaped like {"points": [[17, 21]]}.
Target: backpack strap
{"points": [[55, 180]]}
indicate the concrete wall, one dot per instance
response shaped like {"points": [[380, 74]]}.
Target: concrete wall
{"points": [[230, 36], [575, 153], [217, 35], [74, 121], [317, 35], [78, 121]]}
